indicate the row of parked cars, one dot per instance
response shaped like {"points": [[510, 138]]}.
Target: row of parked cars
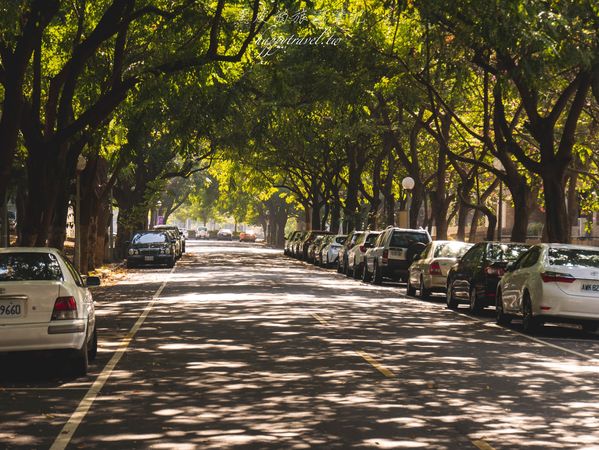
{"points": [[535, 283]]}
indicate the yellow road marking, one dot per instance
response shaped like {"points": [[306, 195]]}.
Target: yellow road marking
{"points": [[320, 319], [374, 363], [482, 445]]}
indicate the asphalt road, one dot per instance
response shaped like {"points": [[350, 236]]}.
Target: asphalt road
{"points": [[241, 347]]}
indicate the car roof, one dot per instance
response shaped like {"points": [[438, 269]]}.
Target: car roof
{"points": [[570, 246], [30, 250], [411, 230]]}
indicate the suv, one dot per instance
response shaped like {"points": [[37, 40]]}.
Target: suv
{"points": [[393, 253], [203, 233]]}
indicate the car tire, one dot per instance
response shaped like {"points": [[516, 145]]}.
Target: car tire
{"points": [[530, 323], [356, 272], [377, 276], [410, 290], [80, 362], [452, 302], [425, 294], [365, 274], [130, 264], [475, 307], [171, 262], [92, 350], [590, 327], [501, 318]]}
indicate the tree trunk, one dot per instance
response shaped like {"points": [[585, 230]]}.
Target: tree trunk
{"points": [[556, 216], [473, 227]]}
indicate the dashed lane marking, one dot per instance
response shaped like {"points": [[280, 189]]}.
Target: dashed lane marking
{"points": [[320, 319], [374, 363], [67, 432], [482, 445]]}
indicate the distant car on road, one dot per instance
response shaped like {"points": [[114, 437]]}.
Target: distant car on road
{"points": [[428, 273], [177, 233], [45, 305], [224, 235], [247, 237], [355, 256], [330, 251], [202, 233], [551, 283], [474, 278], [152, 247], [348, 244]]}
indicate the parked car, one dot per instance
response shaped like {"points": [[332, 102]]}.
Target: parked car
{"points": [[177, 233], [45, 304], [290, 240], [307, 241], [392, 253], [152, 247], [247, 237], [329, 253], [202, 233], [350, 242], [224, 235], [474, 278], [428, 273], [551, 283], [314, 248], [355, 256]]}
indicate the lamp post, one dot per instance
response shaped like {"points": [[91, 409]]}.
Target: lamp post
{"points": [[408, 184], [81, 162], [158, 206], [497, 164]]}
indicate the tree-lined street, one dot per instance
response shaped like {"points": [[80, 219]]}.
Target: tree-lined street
{"points": [[245, 348]]}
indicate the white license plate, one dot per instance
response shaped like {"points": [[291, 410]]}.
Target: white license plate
{"points": [[148, 258], [589, 287], [395, 253], [11, 308]]}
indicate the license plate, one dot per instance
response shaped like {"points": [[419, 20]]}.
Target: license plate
{"points": [[11, 308], [148, 258], [590, 287], [395, 253]]}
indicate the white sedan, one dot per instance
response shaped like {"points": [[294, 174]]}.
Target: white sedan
{"points": [[45, 305], [551, 282]]}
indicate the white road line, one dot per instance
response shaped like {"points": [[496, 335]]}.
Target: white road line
{"points": [[67, 432], [531, 338]]}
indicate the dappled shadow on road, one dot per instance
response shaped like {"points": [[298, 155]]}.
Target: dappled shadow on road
{"points": [[252, 350]]}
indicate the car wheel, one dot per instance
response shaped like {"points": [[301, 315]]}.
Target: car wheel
{"points": [[377, 276], [130, 264], [452, 302], [501, 317], [171, 262], [357, 272], [365, 274], [339, 266], [425, 294], [80, 363], [475, 307], [530, 323], [92, 349], [346, 269], [410, 290], [590, 327]]}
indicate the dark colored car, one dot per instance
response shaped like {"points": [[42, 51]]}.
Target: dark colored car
{"points": [[305, 244], [290, 241], [224, 235], [296, 245], [151, 247], [474, 278], [314, 248], [177, 233], [347, 245]]}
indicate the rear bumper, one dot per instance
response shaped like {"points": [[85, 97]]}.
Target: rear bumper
{"points": [[437, 283], [396, 270], [157, 259], [57, 335]]}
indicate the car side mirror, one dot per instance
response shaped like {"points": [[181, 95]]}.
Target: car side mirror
{"points": [[92, 281]]}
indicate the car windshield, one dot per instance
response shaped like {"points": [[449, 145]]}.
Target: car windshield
{"points": [[405, 238], [149, 238], [29, 267], [340, 239], [451, 250], [371, 238], [571, 257], [506, 252]]}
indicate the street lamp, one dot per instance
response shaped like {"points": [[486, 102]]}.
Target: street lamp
{"points": [[497, 164], [81, 163], [408, 184], [158, 206]]}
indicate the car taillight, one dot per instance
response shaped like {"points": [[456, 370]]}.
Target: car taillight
{"points": [[385, 256], [362, 248], [435, 269], [494, 271], [64, 308], [549, 277]]}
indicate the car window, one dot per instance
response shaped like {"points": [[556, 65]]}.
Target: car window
{"points": [[451, 250], [406, 238], [360, 239], [149, 238], [371, 238], [573, 257], [474, 255], [340, 239], [530, 258], [76, 276], [29, 267], [505, 252]]}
